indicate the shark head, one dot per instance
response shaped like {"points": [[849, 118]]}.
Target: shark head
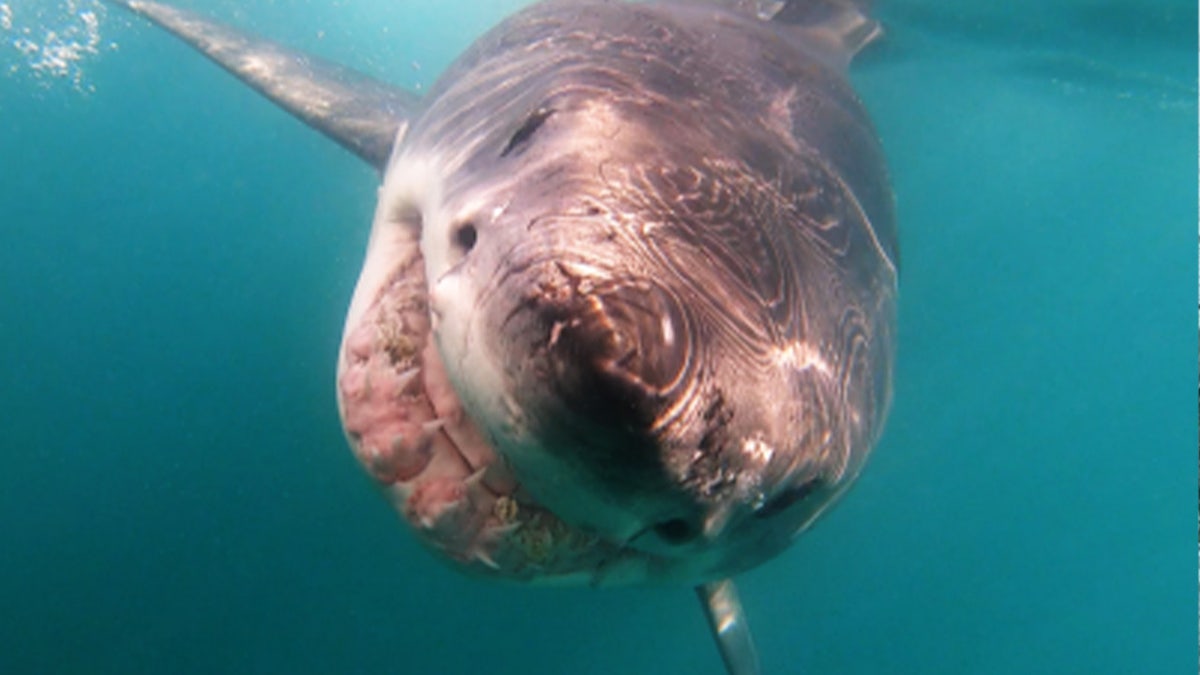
{"points": [[637, 309]]}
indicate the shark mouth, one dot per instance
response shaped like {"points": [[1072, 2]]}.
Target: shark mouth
{"points": [[408, 429]]}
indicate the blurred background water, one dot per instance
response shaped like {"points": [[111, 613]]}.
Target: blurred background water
{"points": [[176, 496]]}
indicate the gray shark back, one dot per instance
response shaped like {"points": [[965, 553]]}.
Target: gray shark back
{"points": [[754, 83]]}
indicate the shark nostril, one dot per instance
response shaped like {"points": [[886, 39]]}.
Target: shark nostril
{"points": [[407, 215], [465, 237]]}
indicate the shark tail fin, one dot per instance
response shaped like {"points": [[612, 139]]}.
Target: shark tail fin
{"points": [[360, 113]]}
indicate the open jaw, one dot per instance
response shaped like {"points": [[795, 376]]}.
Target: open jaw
{"points": [[407, 427]]}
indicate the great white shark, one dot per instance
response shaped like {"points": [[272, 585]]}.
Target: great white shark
{"points": [[627, 313]]}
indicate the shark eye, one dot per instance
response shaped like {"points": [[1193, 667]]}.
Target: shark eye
{"points": [[531, 124], [465, 236], [788, 497], [676, 531]]}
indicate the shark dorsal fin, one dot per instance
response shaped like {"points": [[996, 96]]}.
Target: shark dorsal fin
{"points": [[837, 29], [832, 30], [362, 114]]}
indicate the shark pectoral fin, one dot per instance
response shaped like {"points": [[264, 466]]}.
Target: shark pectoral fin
{"points": [[729, 627], [362, 114]]}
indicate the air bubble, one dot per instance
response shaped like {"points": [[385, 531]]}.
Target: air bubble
{"points": [[51, 41]]}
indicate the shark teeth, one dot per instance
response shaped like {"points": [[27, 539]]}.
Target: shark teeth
{"points": [[405, 380], [475, 480]]}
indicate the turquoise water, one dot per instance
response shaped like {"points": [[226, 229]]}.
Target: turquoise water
{"points": [[175, 494]]}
